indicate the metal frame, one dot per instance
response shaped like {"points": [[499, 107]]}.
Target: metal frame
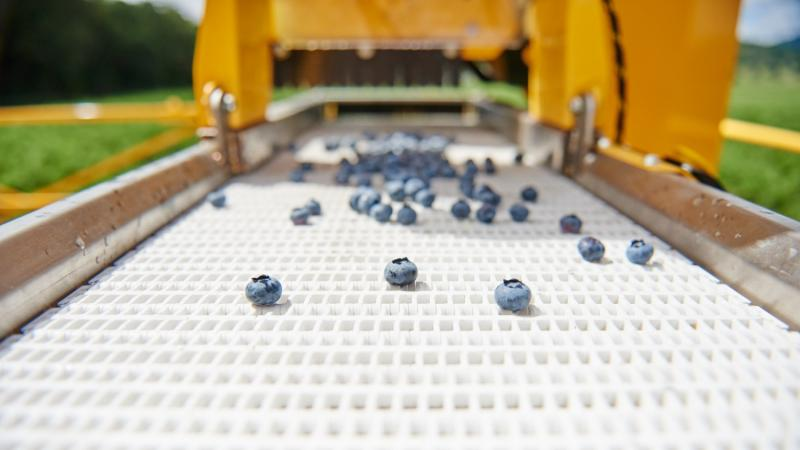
{"points": [[52, 251], [59, 247], [752, 249]]}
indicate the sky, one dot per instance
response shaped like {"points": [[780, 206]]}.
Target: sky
{"points": [[764, 22]]}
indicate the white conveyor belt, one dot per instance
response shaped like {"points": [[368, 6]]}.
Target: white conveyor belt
{"points": [[163, 351]]}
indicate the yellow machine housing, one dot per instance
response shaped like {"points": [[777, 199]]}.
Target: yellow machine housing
{"points": [[659, 72]]}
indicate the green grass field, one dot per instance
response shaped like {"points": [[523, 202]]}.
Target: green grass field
{"points": [[35, 156], [768, 177]]}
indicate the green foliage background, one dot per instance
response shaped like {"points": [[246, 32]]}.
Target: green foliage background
{"points": [[63, 49]]}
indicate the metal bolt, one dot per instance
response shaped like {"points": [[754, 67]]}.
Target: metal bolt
{"points": [[450, 51], [651, 160], [229, 102], [365, 51], [603, 143], [576, 104]]}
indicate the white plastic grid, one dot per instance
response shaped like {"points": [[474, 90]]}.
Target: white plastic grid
{"points": [[162, 350]]}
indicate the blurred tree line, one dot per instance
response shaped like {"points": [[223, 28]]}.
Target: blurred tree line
{"points": [[777, 58], [61, 49]]}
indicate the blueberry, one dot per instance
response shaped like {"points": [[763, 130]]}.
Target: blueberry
{"points": [[367, 200], [395, 189], [364, 179], [314, 207], [471, 168], [217, 198], [447, 171], [406, 215], [413, 186], [512, 295], [263, 290], [518, 159], [331, 143], [489, 167], [570, 224], [591, 249], [460, 209], [300, 216], [381, 212], [400, 272], [519, 212], [425, 197], [467, 187], [485, 194], [529, 194], [486, 213], [297, 175], [639, 252], [306, 166], [356, 196], [342, 177], [430, 172]]}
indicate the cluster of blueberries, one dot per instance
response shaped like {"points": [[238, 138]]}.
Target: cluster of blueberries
{"points": [[592, 250], [301, 215], [407, 177], [408, 162]]}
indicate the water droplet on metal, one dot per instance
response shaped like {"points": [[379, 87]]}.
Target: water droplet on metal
{"points": [[80, 244]]}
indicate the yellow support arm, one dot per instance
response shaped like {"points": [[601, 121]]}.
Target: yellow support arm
{"points": [[753, 133], [172, 110], [232, 52]]}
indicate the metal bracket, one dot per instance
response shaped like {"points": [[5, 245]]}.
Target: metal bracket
{"points": [[222, 104], [581, 138]]}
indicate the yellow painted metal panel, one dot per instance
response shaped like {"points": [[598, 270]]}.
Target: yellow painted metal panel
{"points": [[679, 61], [312, 23], [571, 54], [753, 133], [232, 52], [677, 66]]}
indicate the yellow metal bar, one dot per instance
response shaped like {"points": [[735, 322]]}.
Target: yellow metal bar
{"points": [[753, 133], [24, 201], [232, 52], [119, 161], [171, 111], [571, 54], [471, 25]]}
